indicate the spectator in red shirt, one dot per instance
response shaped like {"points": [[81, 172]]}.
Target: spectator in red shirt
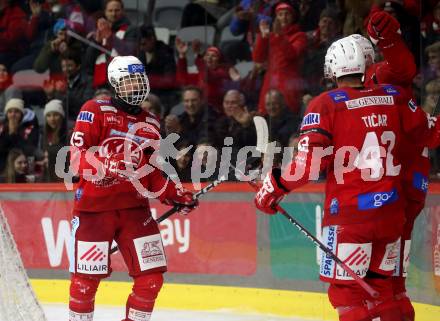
{"points": [[282, 49], [213, 76], [13, 24]]}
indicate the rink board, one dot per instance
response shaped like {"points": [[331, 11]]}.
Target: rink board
{"points": [[224, 255], [207, 297]]}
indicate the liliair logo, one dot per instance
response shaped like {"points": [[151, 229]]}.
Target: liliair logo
{"points": [[92, 257]]}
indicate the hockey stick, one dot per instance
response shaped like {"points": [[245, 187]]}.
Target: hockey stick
{"points": [[88, 42], [175, 209], [373, 293], [262, 139]]}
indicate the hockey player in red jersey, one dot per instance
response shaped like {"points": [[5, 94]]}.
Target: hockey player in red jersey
{"points": [[355, 133], [399, 68], [108, 153]]}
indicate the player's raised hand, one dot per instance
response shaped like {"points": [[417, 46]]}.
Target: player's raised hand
{"points": [[270, 193], [382, 26]]}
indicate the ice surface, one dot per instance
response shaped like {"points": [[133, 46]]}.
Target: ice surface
{"points": [[59, 312]]}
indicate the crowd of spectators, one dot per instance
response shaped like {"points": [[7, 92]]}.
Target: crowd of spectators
{"points": [[270, 65]]}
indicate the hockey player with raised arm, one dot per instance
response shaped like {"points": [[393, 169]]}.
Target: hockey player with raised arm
{"points": [[113, 139], [354, 134], [398, 68]]}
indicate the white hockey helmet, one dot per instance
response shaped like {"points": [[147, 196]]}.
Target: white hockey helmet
{"points": [[367, 48], [344, 57], [126, 74]]}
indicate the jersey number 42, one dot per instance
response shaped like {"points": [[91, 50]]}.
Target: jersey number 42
{"points": [[370, 159]]}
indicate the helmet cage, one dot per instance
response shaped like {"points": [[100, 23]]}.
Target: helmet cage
{"points": [[133, 88], [126, 74]]}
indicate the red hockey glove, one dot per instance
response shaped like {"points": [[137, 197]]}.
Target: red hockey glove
{"points": [[117, 167], [382, 27], [183, 199], [270, 193]]}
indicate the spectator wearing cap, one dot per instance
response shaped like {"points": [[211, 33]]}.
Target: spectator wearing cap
{"points": [[282, 49], [110, 33], [49, 57], [329, 29], [214, 76], [158, 59], [12, 32], [53, 138], [18, 130]]}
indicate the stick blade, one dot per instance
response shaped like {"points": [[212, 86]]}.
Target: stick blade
{"points": [[262, 133]]}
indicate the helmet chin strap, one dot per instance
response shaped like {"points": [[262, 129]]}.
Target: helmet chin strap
{"points": [[121, 104]]}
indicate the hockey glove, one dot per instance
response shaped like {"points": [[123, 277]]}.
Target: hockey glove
{"points": [[383, 27], [270, 193], [180, 198], [117, 167]]}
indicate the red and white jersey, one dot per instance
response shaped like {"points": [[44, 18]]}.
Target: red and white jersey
{"points": [[360, 131], [398, 68], [105, 129]]}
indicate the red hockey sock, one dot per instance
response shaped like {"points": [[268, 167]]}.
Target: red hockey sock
{"points": [[386, 311], [406, 308], [82, 298], [141, 301]]}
